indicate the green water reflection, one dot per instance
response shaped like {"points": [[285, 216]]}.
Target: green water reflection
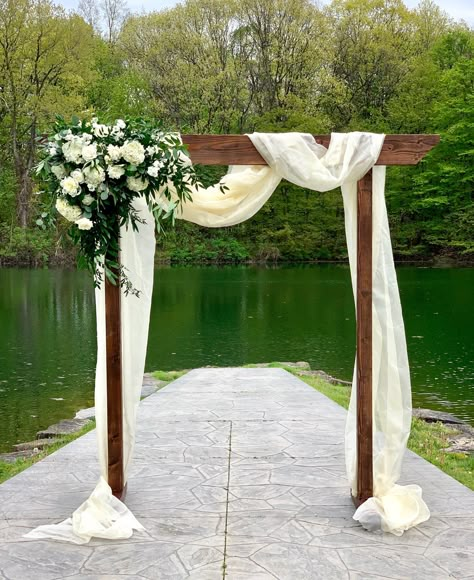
{"points": [[224, 316]]}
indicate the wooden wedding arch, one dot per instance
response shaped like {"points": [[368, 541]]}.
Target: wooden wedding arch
{"points": [[239, 150]]}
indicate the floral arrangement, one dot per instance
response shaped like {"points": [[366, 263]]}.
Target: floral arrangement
{"points": [[93, 172]]}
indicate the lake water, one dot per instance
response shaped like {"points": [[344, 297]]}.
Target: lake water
{"points": [[224, 316]]}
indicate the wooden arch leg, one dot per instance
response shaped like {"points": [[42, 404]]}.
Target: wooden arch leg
{"points": [[364, 340], [114, 388]]}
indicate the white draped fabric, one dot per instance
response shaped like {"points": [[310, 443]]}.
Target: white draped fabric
{"points": [[299, 159]]}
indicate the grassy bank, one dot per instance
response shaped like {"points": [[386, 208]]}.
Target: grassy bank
{"points": [[429, 440], [8, 469], [168, 376]]}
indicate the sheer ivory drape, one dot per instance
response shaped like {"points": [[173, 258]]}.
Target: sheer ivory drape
{"points": [[299, 159]]}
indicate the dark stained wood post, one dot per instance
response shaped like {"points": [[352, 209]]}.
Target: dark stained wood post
{"points": [[114, 387], [365, 481]]}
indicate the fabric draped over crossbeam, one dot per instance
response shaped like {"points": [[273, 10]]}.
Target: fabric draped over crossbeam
{"points": [[297, 158]]}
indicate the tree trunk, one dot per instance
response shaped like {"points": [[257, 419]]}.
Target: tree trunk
{"points": [[24, 160], [25, 188]]}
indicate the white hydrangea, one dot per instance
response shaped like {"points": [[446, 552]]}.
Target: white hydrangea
{"points": [[133, 152], [70, 186], [114, 152], [84, 223], [72, 150], [93, 176], [59, 171], [137, 183], [88, 199], [68, 211], [115, 171], [89, 152], [78, 176]]}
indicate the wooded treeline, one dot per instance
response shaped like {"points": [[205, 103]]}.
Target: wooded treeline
{"points": [[234, 66]]}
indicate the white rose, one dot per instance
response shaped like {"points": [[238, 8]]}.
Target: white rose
{"points": [[133, 152], [137, 183], [87, 138], [114, 152], [152, 171], [73, 150], [59, 171], [52, 150], [89, 152], [78, 176], [70, 186], [70, 212], [155, 168], [120, 123], [100, 130], [84, 223], [119, 135], [93, 176], [152, 149], [115, 171], [88, 199]]}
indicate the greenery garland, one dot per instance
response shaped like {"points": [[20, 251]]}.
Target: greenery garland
{"points": [[94, 172]]}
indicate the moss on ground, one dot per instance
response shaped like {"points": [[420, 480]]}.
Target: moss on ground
{"points": [[168, 376]]}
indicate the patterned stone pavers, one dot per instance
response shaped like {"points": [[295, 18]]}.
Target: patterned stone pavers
{"points": [[239, 470]]}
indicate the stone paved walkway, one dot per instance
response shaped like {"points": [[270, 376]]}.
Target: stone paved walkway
{"points": [[240, 469]]}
